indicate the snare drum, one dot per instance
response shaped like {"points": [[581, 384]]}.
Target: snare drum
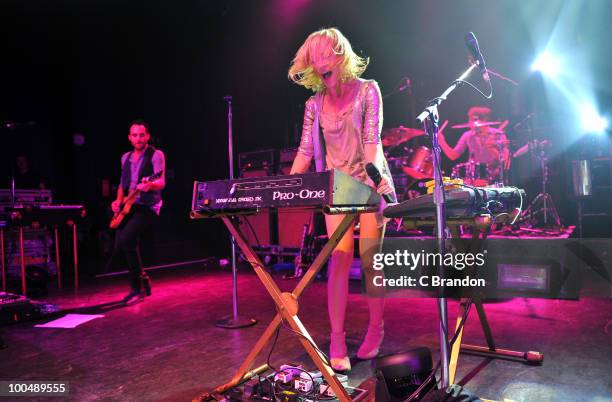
{"points": [[419, 163], [472, 173]]}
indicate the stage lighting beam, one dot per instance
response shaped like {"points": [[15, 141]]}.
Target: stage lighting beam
{"points": [[592, 121], [547, 64]]}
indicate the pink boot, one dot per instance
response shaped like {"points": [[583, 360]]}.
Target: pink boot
{"points": [[337, 352], [371, 344]]}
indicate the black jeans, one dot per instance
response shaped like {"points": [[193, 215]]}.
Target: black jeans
{"points": [[127, 238]]}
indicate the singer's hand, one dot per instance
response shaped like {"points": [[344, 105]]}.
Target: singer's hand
{"points": [[384, 187]]}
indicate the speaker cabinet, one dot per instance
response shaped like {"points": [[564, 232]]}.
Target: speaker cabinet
{"points": [[291, 226], [257, 229]]}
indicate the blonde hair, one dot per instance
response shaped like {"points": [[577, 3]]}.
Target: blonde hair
{"points": [[321, 44]]}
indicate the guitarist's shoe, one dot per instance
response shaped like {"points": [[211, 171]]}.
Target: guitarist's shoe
{"points": [[146, 284], [135, 296]]}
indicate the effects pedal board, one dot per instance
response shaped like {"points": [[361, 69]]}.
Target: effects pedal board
{"points": [[292, 383]]}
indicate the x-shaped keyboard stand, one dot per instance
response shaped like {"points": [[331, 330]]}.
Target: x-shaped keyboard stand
{"points": [[287, 307]]}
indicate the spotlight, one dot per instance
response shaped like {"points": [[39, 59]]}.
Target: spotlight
{"points": [[592, 121], [547, 64]]}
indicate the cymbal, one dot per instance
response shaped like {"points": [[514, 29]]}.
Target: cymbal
{"points": [[396, 135], [401, 130], [477, 124]]}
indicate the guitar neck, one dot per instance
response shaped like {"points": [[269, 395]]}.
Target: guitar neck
{"points": [[134, 193], [131, 196]]}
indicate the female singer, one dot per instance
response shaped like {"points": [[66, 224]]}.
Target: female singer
{"points": [[342, 125]]}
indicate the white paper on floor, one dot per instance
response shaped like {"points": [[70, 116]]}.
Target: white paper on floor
{"points": [[70, 321]]}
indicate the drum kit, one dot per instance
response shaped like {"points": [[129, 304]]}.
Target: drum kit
{"points": [[411, 164]]}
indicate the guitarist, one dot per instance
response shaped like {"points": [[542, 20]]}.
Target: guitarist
{"points": [[136, 166]]}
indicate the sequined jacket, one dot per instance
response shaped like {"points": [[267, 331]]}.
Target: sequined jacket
{"points": [[369, 106]]}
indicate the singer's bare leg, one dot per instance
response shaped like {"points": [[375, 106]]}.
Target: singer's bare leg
{"points": [[337, 288], [370, 237], [337, 292]]}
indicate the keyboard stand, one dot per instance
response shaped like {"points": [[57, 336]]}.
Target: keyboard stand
{"points": [[480, 225], [286, 303]]}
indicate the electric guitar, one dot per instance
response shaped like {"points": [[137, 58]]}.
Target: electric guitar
{"points": [[128, 202]]}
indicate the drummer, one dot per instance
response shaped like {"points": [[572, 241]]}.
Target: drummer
{"points": [[482, 140]]}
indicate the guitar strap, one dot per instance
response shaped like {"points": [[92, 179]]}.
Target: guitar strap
{"points": [[317, 137], [146, 168]]}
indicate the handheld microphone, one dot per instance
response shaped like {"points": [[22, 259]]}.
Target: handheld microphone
{"points": [[472, 44], [374, 174]]}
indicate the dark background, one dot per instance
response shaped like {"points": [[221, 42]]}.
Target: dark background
{"points": [[91, 67]]}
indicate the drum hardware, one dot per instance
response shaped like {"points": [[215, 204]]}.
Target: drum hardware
{"points": [[531, 146], [473, 173], [504, 157], [543, 203]]}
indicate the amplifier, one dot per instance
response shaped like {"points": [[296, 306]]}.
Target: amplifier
{"points": [[285, 161], [287, 155], [264, 159], [258, 229]]}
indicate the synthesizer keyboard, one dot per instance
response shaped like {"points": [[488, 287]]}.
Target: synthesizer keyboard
{"points": [[466, 202], [332, 188]]}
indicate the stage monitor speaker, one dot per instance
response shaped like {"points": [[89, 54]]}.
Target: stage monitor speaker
{"points": [[542, 268], [402, 373]]}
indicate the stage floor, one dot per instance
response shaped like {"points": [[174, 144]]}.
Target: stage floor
{"points": [[168, 348]]}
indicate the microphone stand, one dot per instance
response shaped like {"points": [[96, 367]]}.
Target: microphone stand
{"points": [[430, 120], [234, 321]]}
